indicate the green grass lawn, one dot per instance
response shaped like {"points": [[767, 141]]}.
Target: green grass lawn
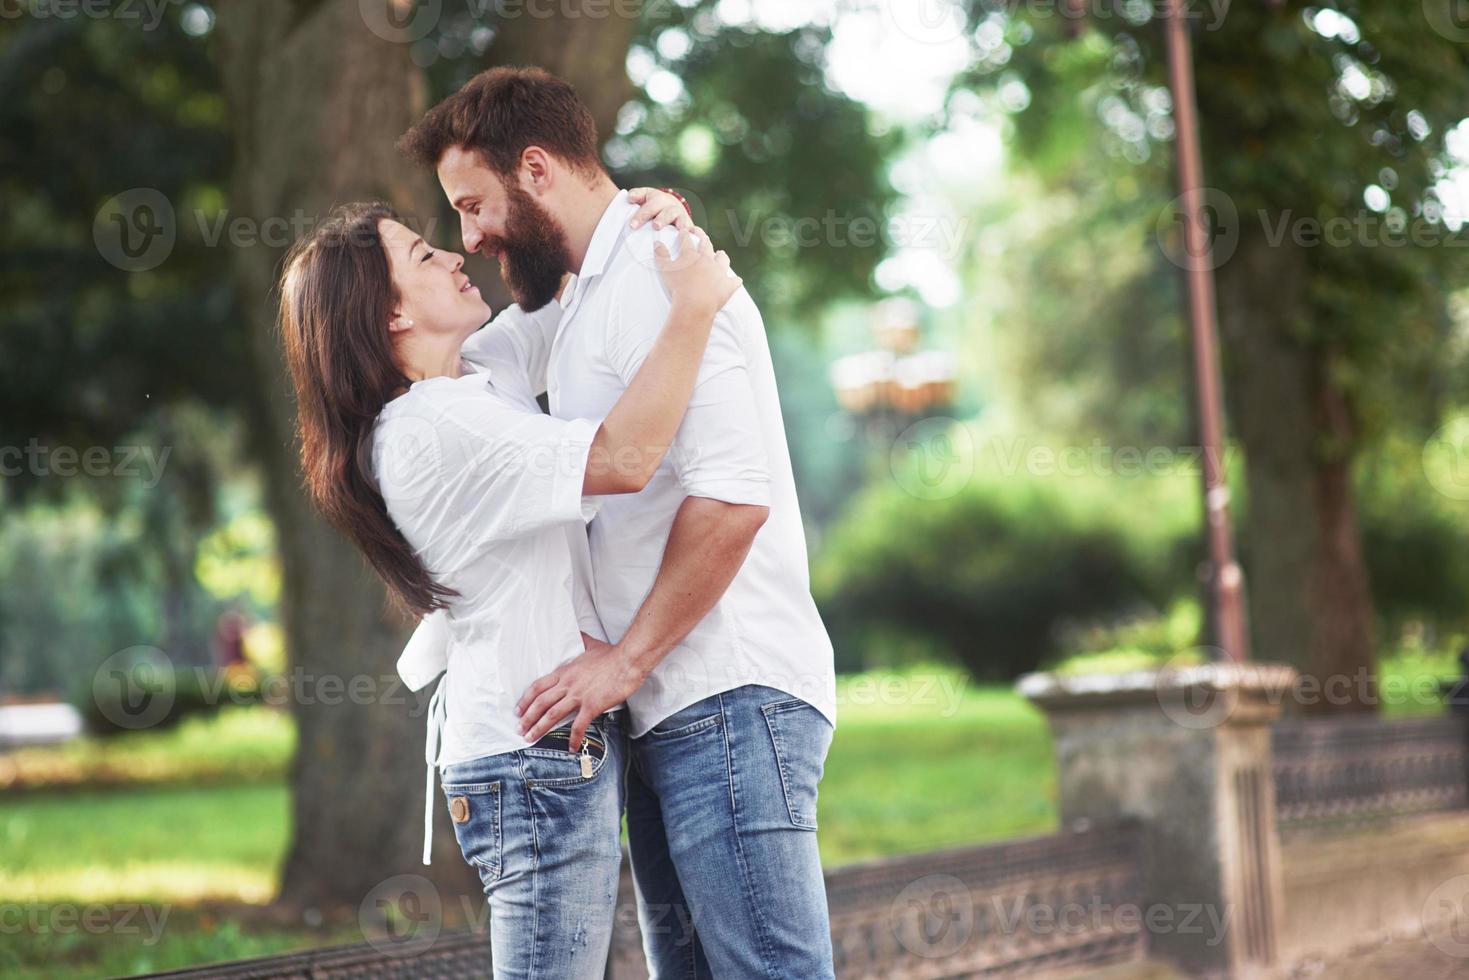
{"points": [[946, 769], [165, 843], [237, 745], [73, 853], [919, 761]]}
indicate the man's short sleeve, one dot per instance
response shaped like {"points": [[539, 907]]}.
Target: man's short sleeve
{"points": [[719, 451]]}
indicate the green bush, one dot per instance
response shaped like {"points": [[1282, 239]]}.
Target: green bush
{"points": [[991, 575], [188, 691], [1009, 570], [1415, 540]]}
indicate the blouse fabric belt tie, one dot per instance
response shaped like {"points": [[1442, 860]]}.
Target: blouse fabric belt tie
{"points": [[431, 757]]}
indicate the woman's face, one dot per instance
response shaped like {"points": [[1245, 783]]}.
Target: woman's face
{"points": [[434, 297]]}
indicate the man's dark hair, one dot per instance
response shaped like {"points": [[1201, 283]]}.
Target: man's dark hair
{"points": [[500, 112]]}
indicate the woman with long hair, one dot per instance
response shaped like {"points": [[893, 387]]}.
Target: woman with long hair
{"points": [[421, 440]]}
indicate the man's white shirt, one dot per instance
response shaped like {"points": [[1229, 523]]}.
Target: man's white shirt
{"points": [[731, 446]]}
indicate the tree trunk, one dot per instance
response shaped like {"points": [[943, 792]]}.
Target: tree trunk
{"points": [[1343, 642], [317, 102], [588, 51], [1309, 601]]}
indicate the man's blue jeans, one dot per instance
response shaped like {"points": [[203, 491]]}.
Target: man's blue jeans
{"points": [[721, 808], [544, 839]]}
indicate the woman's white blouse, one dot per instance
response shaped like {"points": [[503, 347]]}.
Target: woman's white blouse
{"points": [[488, 492]]}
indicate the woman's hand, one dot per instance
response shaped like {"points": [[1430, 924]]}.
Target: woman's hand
{"points": [[699, 279], [659, 207]]}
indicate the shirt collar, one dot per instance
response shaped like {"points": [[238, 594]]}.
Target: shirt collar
{"points": [[608, 233]]}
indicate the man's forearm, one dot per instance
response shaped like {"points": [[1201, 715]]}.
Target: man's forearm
{"points": [[706, 547]]}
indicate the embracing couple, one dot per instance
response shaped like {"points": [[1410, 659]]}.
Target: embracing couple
{"points": [[615, 593]]}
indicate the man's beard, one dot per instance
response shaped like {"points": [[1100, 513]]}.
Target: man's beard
{"points": [[533, 254]]}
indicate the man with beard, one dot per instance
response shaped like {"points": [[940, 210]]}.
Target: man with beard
{"points": [[720, 656]]}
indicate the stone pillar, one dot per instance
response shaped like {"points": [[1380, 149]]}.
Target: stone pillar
{"points": [[1185, 751]]}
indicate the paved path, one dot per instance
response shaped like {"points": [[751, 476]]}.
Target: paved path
{"points": [[1412, 958], [1401, 959]]}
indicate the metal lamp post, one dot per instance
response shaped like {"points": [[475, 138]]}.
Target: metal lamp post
{"points": [[1225, 578]]}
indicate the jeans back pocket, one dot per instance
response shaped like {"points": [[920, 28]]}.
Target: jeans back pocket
{"points": [[801, 736], [475, 810]]}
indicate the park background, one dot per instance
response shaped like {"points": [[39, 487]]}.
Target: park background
{"points": [[959, 221]]}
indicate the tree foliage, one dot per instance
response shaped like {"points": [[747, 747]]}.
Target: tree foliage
{"points": [[1310, 115]]}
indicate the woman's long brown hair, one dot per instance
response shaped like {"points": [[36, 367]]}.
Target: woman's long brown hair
{"points": [[337, 297]]}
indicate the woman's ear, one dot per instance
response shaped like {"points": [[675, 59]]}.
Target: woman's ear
{"points": [[399, 323]]}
